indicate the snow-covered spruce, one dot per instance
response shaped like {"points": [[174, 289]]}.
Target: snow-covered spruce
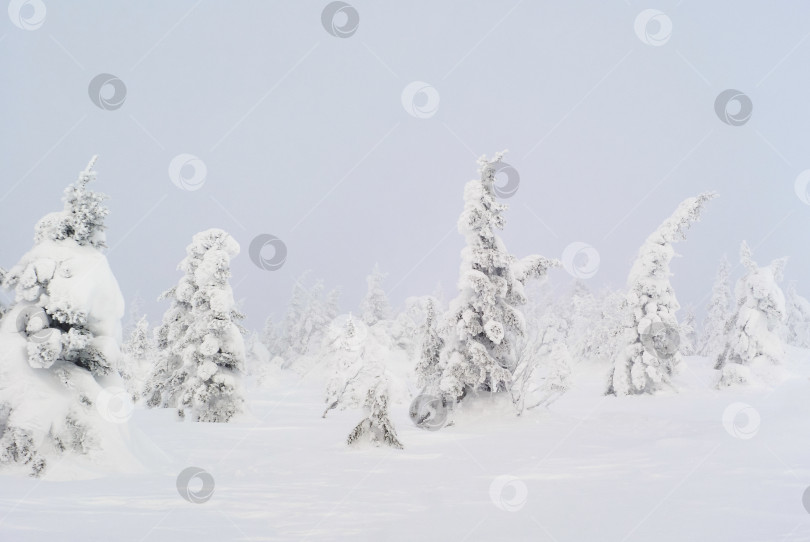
{"points": [[135, 312], [201, 351], [60, 344], [375, 307], [376, 427], [595, 324], [138, 358], [717, 313], [405, 330], [543, 373], [428, 370], [305, 324], [647, 352], [483, 321], [270, 336], [752, 334], [354, 365], [796, 330], [689, 333]]}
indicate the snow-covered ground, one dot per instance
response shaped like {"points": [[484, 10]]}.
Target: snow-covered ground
{"points": [[589, 468]]}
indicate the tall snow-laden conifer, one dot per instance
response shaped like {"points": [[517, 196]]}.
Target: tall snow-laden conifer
{"points": [[484, 320], [200, 343], [648, 349]]}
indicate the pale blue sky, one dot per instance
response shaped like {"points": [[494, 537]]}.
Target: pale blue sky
{"points": [[304, 135]]}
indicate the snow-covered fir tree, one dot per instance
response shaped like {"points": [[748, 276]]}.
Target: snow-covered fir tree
{"points": [[544, 367], [270, 337], [375, 307], [201, 351], [796, 330], [135, 311], [648, 351], [60, 342], [376, 427], [428, 370], [405, 329], [718, 312], [138, 358], [484, 320], [307, 319], [557, 359], [353, 367], [579, 308], [3, 306], [752, 333], [689, 333], [596, 328]]}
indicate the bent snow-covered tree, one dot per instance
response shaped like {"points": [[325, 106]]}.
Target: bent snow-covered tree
{"points": [[752, 334], [60, 343], [483, 321], [201, 351], [648, 348], [717, 313]]}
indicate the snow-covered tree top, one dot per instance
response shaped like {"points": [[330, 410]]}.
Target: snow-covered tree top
{"points": [[215, 239], [652, 263], [82, 218], [674, 228]]}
